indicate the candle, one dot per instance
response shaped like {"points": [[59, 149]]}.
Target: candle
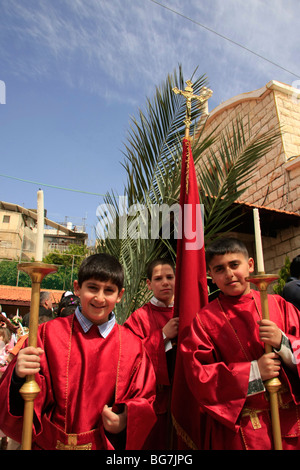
{"points": [[258, 243], [40, 226]]}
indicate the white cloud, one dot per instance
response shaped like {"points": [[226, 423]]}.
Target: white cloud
{"points": [[119, 50], [122, 48]]}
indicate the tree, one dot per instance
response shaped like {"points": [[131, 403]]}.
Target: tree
{"points": [[67, 264], [9, 274], [284, 274], [153, 165]]}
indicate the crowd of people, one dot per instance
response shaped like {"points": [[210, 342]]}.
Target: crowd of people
{"points": [[14, 333], [108, 386]]}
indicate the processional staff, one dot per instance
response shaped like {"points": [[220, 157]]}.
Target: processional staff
{"points": [[202, 99], [188, 93], [262, 280], [37, 271]]}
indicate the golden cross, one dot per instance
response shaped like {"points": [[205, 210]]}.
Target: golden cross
{"points": [[188, 93]]}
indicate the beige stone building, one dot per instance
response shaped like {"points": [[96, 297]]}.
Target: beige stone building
{"points": [[18, 233], [275, 186]]}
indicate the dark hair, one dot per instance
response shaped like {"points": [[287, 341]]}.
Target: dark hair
{"points": [[295, 267], [66, 311], [44, 319], [221, 246], [70, 302], [155, 263], [102, 267]]}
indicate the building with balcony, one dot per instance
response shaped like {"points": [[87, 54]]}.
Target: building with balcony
{"points": [[18, 233]]}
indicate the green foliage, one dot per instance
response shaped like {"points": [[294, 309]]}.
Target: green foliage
{"points": [[152, 162], [73, 256], [9, 274], [284, 273], [62, 279], [67, 264], [226, 173]]}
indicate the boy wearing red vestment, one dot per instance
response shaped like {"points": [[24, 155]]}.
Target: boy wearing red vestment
{"points": [[155, 325], [225, 362], [97, 384]]}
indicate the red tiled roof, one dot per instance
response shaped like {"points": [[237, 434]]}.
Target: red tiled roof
{"points": [[22, 295], [267, 208], [239, 202]]}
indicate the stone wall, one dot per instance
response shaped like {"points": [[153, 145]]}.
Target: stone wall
{"points": [[275, 183]]}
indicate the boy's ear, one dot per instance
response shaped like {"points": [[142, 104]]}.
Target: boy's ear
{"points": [[149, 284], [210, 275], [251, 265], [76, 288], [120, 295]]}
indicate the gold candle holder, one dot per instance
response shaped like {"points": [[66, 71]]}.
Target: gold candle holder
{"points": [[29, 391], [262, 281]]}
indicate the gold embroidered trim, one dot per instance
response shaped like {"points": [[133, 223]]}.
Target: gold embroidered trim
{"points": [[253, 416], [234, 332], [184, 436], [119, 363], [72, 444], [67, 373]]}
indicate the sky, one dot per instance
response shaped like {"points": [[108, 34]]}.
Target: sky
{"points": [[74, 72]]}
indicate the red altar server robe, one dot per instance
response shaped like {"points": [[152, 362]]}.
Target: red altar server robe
{"points": [[217, 355], [147, 323], [80, 373]]}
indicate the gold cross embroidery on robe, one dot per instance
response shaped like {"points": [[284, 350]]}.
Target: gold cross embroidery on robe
{"points": [[72, 444]]}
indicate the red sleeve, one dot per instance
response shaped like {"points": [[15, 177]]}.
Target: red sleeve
{"points": [[142, 324], [292, 331], [10, 423], [136, 389], [11, 419], [220, 389]]}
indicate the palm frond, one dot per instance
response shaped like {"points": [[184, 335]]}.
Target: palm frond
{"points": [[152, 160], [157, 135], [225, 174]]}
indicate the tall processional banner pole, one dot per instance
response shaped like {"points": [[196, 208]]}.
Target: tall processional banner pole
{"points": [[191, 291]]}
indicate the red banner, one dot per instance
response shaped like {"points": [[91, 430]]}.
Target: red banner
{"points": [[191, 294]]}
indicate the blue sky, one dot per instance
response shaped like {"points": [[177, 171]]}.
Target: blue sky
{"points": [[76, 71]]}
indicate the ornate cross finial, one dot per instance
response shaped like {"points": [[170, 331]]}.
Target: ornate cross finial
{"points": [[189, 95]]}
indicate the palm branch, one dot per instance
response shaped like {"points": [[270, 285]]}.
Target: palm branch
{"points": [[153, 165], [225, 174]]}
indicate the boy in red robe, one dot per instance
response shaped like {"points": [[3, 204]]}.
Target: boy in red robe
{"points": [[97, 384], [155, 325], [225, 363]]}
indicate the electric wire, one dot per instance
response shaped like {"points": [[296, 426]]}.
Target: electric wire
{"points": [[196, 23], [224, 37], [52, 186]]}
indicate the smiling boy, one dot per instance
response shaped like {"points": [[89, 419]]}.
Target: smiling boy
{"points": [[97, 299], [97, 384], [225, 362]]}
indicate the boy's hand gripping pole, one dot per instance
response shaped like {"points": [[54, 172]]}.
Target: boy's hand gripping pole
{"points": [[29, 391], [262, 280], [272, 385]]}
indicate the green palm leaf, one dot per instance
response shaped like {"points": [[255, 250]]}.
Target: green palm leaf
{"points": [[225, 174], [152, 160]]}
